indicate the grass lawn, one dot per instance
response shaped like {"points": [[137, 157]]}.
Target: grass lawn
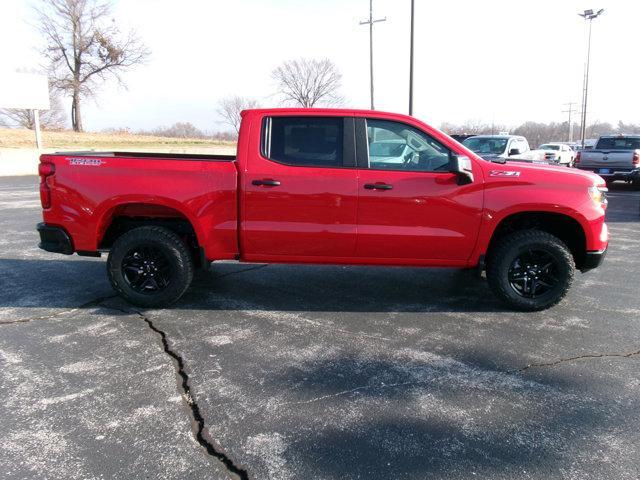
{"points": [[23, 138]]}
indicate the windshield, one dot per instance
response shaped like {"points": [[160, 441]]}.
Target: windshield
{"points": [[549, 147], [485, 145], [619, 143]]}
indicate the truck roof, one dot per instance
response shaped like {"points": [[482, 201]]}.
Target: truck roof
{"points": [[622, 135], [498, 136], [324, 111], [313, 110]]}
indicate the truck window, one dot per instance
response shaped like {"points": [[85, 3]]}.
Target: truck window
{"points": [[618, 143], [523, 145], [486, 145], [398, 146], [304, 141]]}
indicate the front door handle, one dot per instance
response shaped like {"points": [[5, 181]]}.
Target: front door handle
{"points": [[377, 186], [266, 183]]}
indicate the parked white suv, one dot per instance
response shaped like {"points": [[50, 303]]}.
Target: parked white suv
{"points": [[558, 153]]}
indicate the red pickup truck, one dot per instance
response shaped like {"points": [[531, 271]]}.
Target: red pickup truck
{"points": [[325, 187]]}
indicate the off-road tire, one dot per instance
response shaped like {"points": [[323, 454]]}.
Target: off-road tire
{"points": [[510, 247], [175, 253]]}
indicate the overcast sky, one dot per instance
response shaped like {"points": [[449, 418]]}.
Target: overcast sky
{"points": [[502, 61]]}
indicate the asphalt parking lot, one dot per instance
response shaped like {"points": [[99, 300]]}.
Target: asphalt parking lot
{"points": [[295, 372]]}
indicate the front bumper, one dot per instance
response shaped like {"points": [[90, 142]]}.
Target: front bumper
{"points": [[54, 239], [593, 260]]}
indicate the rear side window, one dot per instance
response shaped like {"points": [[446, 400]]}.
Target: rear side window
{"points": [[619, 143], [304, 141]]}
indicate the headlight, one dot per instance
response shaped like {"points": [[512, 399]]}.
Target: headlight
{"points": [[599, 195]]}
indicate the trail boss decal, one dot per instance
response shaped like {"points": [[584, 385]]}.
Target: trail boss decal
{"points": [[91, 162]]}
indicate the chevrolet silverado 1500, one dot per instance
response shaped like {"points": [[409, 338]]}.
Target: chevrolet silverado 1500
{"points": [[325, 187]]}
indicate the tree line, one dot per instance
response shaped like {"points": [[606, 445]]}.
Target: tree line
{"points": [[538, 133]]}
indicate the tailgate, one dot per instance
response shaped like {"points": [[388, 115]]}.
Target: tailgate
{"points": [[607, 159]]}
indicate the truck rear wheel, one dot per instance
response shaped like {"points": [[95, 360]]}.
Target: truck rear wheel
{"points": [[530, 270], [150, 266]]}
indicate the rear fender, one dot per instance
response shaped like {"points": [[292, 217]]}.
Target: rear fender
{"points": [[144, 206]]}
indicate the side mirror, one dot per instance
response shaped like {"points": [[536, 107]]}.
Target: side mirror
{"points": [[461, 166], [514, 151]]}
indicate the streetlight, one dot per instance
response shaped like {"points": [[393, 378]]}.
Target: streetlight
{"points": [[587, 15], [411, 63]]}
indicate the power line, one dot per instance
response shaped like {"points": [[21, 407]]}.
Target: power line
{"points": [[570, 110], [370, 22]]}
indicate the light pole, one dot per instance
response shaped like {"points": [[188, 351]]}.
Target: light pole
{"points": [[411, 63], [587, 15], [370, 22]]}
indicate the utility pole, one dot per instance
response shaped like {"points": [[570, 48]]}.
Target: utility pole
{"points": [[411, 62], [587, 15], [570, 111], [370, 22]]}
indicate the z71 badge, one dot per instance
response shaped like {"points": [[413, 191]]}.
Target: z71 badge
{"points": [[92, 162], [503, 173]]}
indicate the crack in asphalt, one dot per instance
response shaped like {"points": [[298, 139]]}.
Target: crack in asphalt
{"points": [[578, 357], [198, 423], [91, 303], [197, 419], [257, 267]]}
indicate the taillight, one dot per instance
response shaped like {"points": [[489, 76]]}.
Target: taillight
{"points": [[577, 159], [45, 170], [636, 157]]}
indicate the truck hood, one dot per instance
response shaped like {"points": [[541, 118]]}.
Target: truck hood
{"points": [[551, 173]]}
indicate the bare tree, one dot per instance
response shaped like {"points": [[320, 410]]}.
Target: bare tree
{"points": [[230, 108], [472, 127], [308, 82], [85, 47], [177, 130], [52, 119]]}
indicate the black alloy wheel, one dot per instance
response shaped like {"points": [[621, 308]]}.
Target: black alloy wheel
{"points": [[146, 269], [533, 273]]}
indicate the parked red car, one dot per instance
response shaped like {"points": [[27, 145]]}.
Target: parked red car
{"points": [[325, 187]]}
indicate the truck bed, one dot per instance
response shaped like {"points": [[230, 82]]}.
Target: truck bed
{"points": [[199, 188], [156, 155]]}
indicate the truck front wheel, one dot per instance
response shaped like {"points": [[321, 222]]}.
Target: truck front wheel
{"points": [[530, 269], [150, 266]]}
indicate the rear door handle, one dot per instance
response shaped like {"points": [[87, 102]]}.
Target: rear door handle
{"points": [[377, 186], [266, 183]]}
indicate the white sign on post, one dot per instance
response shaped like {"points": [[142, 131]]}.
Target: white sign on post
{"points": [[29, 91]]}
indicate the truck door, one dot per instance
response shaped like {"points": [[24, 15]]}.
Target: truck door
{"points": [[410, 206], [299, 190]]}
